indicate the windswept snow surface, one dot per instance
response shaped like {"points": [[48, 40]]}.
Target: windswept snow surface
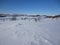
{"points": [[28, 32]]}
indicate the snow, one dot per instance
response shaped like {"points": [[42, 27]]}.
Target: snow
{"points": [[30, 32]]}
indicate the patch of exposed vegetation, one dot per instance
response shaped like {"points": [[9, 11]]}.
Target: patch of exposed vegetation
{"points": [[25, 17], [2, 15]]}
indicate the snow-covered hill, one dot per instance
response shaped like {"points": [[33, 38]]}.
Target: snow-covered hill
{"points": [[26, 30]]}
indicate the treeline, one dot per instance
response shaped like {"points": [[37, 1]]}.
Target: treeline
{"points": [[56, 16], [16, 15]]}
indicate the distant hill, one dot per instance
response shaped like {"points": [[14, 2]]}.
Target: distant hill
{"points": [[15, 15]]}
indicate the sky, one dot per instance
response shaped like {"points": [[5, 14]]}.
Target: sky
{"points": [[49, 7]]}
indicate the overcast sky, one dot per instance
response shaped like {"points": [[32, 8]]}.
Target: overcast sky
{"points": [[50, 7]]}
